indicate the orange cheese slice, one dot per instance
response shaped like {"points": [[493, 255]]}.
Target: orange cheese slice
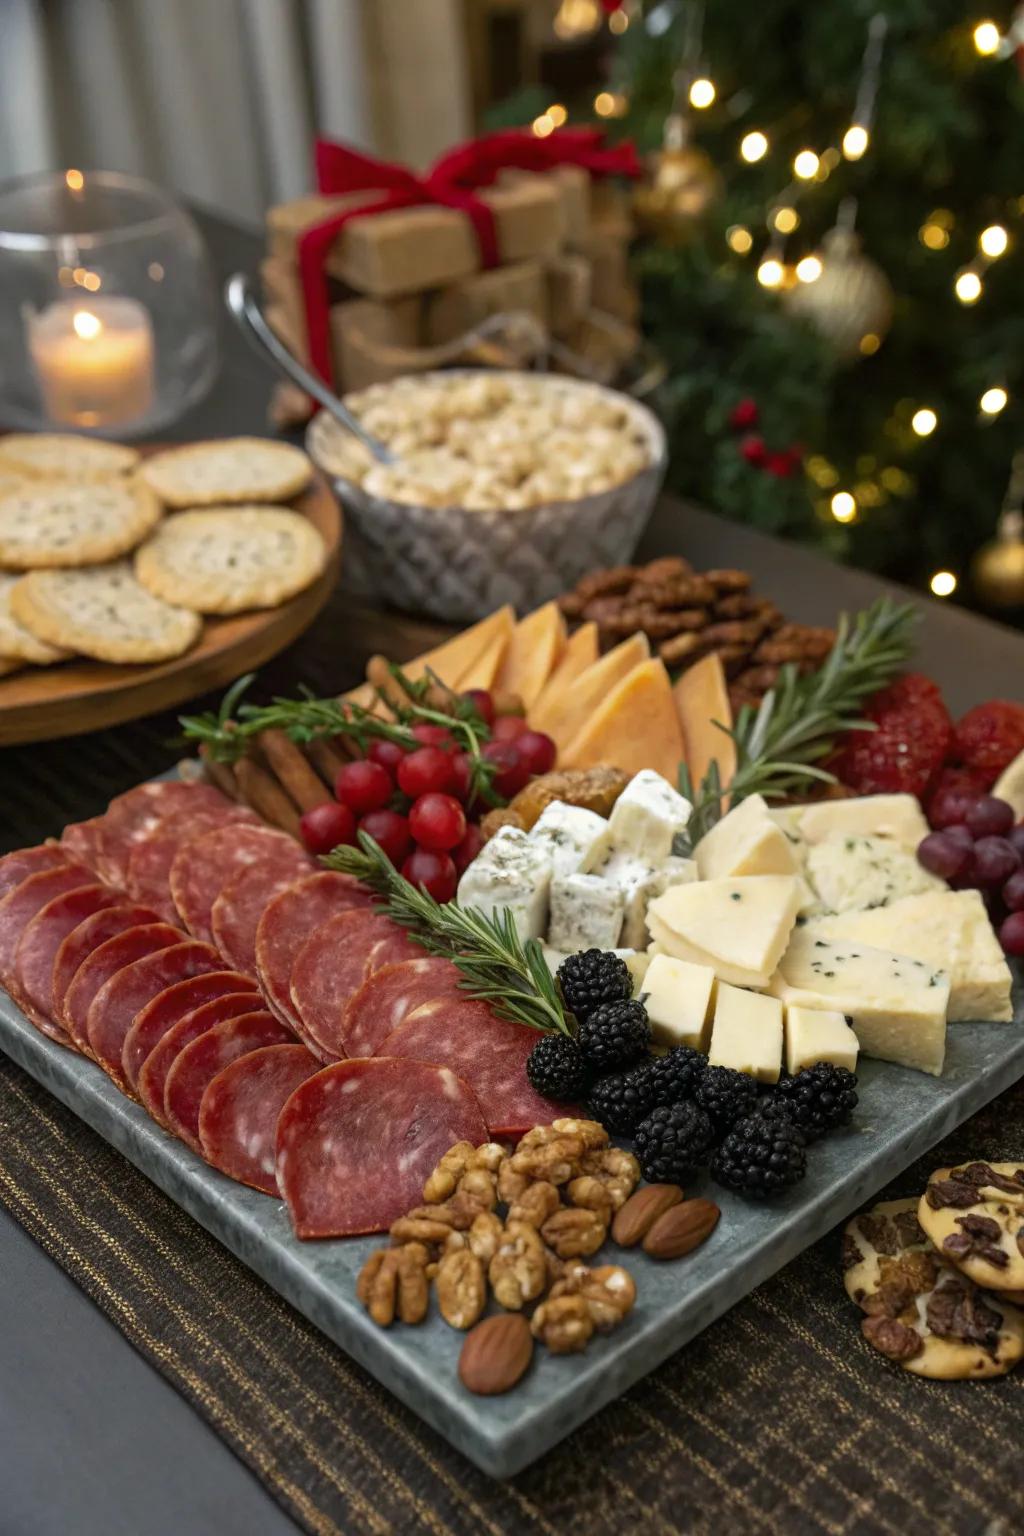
{"points": [[533, 652], [485, 668], [456, 657], [581, 651], [635, 726], [702, 698], [564, 715]]}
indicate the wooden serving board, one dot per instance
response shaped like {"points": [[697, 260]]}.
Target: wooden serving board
{"points": [[43, 703]]}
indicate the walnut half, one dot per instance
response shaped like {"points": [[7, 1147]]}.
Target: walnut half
{"points": [[518, 1271]]}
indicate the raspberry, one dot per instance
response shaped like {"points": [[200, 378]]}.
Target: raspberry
{"points": [[989, 737], [910, 745], [912, 688]]}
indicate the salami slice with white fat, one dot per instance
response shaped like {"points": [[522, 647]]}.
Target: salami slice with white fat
{"points": [[237, 911], [490, 1053], [87, 937], [16, 867], [386, 999], [163, 1011], [40, 944], [130, 816], [130, 989], [286, 925], [24, 900], [357, 1142], [392, 949], [332, 964], [239, 1111], [148, 875], [162, 1057], [82, 842], [204, 866], [198, 1064], [92, 975]]}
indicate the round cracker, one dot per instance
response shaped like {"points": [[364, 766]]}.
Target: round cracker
{"points": [[62, 522], [62, 455], [18, 644], [103, 612], [228, 472], [944, 1222], [226, 562]]}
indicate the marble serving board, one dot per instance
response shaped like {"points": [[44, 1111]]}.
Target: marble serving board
{"points": [[901, 1114]]}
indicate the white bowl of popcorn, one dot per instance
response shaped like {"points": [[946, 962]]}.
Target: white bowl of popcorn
{"points": [[506, 487]]}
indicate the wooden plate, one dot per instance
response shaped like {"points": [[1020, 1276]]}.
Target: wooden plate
{"points": [[43, 703]]}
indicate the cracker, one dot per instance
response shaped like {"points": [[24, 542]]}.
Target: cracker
{"points": [[61, 455], [228, 472], [61, 522], [18, 644], [228, 561], [9, 664], [103, 612]]}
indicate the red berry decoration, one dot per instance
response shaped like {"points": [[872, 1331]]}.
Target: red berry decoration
{"points": [[438, 822], [433, 872], [537, 750], [466, 851], [1011, 934], [995, 860], [989, 737], [434, 735], [327, 825], [388, 753], [908, 748], [744, 414], [482, 702], [390, 830], [426, 771], [781, 465], [364, 786], [512, 773], [753, 450], [508, 727], [989, 817]]}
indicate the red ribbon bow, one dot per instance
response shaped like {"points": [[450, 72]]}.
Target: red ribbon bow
{"points": [[451, 182]]}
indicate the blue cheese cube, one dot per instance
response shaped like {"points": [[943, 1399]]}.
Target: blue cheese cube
{"points": [[576, 839], [851, 873], [586, 913], [639, 884], [510, 873], [647, 816]]}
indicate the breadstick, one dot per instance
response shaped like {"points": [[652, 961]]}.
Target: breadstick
{"points": [[220, 774], [328, 755], [266, 796], [378, 675], [292, 771]]}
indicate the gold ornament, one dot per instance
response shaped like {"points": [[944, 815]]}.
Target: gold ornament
{"points": [[998, 567], [672, 203], [850, 301]]}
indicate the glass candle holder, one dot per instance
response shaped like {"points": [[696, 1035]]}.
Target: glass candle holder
{"points": [[109, 320]]}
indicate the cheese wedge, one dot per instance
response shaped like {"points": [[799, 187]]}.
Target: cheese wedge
{"points": [[534, 649], [745, 842], [702, 697], [455, 657], [484, 670], [565, 717], [635, 727], [581, 651], [740, 927]]}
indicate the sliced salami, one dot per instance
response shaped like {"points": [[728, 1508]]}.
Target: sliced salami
{"points": [[237, 911], [204, 866], [356, 1143], [87, 937], [392, 949], [163, 1011], [148, 876], [16, 867], [386, 998], [93, 974], [331, 965], [130, 816], [197, 1065], [239, 1110], [40, 944], [490, 1053], [128, 991], [24, 900], [162, 1057], [83, 841], [288, 922]]}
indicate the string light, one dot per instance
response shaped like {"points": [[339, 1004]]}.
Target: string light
{"points": [[702, 93], [557, 113], [785, 220], [994, 240], [924, 421], [993, 400], [87, 326], [933, 236], [753, 147], [830, 159], [855, 141], [92, 281], [739, 239], [770, 273], [967, 286], [806, 164], [986, 38], [543, 125], [74, 181], [869, 344], [809, 269], [943, 583], [609, 104], [844, 508], [618, 21]]}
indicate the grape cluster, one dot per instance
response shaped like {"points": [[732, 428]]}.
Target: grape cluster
{"points": [[980, 848]]}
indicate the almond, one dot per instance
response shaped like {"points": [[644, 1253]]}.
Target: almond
{"points": [[635, 1219], [496, 1354], [681, 1229]]}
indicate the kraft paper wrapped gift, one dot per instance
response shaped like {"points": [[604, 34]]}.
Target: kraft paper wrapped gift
{"points": [[612, 288], [365, 331], [460, 306], [573, 185], [568, 280], [611, 210]]}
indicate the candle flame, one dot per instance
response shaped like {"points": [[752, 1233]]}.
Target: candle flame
{"points": [[87, 325], [74, 180]]}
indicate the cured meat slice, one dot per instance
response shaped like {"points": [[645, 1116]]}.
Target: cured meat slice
{"points": [[198, 1064], [40, 943], [24, 900], [386, 998], [239, 1110], [163, 1011], [490, 1053], [82, 841], [237, 911], [88, 936], [331, 965], [204, 866], [356, 1143], [288, 922], [128, 991], [148, 876], [130, 816], [392, 949], [162, 1057], [93, 974], [16, 867]]}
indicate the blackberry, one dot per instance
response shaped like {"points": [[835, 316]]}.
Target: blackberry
{"points": [[621, 1100], [818, 1099], [727, 1096], [556, 1068], [614, 1035], [761, 1156], [592, 978], [672, 1142], [676, 1075]]}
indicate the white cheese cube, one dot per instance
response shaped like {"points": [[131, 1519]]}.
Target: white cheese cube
{"points": [[637, 963], [586, 913], [818, 1034], [510, 873], [576, 839], [740, 927], [897, 1005], [896, 817], [647, 816], [745, 842], [678, 1001], [948, 930], [850, 872], [639, 883], [676, 871], [746, 1034]]}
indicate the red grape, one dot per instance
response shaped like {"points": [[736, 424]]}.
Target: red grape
{"points": [[434, 872], [482, 702], [995, 860], [943, 856], [391, 831], [949, 807], [364, 786], [989, 817], [508, 727], [327, 825], [388, 753], [961, 836], [467, 850], [512, 773], [537, 750], [437, 821], [1016, 837], [434, 735], [1011, 934], [426, 771], [462, 769], [1013, 891]]}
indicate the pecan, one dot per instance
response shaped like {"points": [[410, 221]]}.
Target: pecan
{"points": [[675, 621], [563, 1324], [740, 606], [490, 1156], [891, 1338], [609, 1292], [574, 1233], [743, 632], [729, 581], [591, 1195], [535, 1204], [673, 592], [665, 568], [556, 1161], [571, 604], [478, 1187], [484, 1235], [414, 1228], [395, 1280], [461, 1288], [617, 1170], [518, 1272], [732, 657], [591, 1132], [510, 1183], [758, 679], [448, 1172], [613, 578]]}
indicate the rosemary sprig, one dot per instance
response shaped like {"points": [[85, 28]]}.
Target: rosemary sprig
{"points": [[779, 745], [497, 966]]}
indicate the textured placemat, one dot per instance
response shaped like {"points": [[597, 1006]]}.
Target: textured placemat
{"points": [[777, 1419]]}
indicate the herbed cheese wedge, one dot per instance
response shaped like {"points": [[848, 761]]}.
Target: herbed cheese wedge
{"points": [[740, 927], [897, 1005], [948, 930], [818, 1034], [898, 817], [745, 842], [647, 816], [678, 999], [576, 839], [746, 1034], [510, 873], [586, 913], [850, 872]]}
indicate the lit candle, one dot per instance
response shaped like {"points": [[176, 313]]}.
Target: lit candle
{"points": [[93, 358]]}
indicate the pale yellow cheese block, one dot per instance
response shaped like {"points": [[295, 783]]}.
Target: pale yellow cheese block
{"points": [[484, 670], [702, 698], [453, 659], [635, 727], [581, 651], [565, 717], [533, 653]]}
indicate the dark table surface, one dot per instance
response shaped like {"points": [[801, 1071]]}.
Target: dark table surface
{"points": [[92, 1440]]}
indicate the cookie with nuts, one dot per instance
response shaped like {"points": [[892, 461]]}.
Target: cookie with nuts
{"points": [[974, 1214]]}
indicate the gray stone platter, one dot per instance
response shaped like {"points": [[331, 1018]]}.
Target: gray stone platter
{"points": [[901, 1115]]}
